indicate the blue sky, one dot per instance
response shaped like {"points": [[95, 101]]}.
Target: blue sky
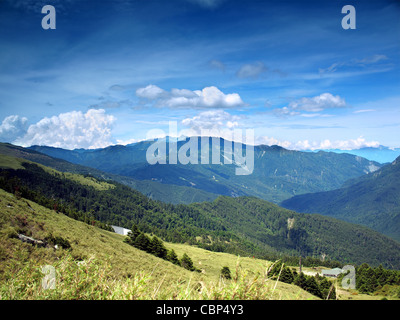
{"points": [[113, 70]]}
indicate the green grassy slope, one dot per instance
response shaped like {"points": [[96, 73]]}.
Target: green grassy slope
{"points": [[100, 265]]}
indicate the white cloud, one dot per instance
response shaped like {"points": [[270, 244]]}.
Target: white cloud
{"points": [[364, 110], [318, 103], [251, 70], [212, 123], [150, 92], [326, 144], [312, 105], [13, 127], [207, 98], [126, 142], [71, 130]]}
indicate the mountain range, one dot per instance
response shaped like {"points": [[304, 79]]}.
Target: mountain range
{"points": [[278, 173]]}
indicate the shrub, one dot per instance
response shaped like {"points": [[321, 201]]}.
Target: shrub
{"points": [[226, 273]]}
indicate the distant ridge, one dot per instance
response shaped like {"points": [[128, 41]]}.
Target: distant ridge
{"points": [[278, 173], [380, 154]]}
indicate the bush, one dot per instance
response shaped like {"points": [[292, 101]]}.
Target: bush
{"points": [[226, 273]]}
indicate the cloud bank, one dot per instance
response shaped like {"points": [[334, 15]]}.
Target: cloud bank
{"points": [[326, 144], [69, 130], [12, 127]]}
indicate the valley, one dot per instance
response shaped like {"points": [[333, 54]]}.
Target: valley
{"points": [[245, 234]]}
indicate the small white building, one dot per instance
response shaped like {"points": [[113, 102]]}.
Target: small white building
{"points": [[121, 230], [334, 273]]}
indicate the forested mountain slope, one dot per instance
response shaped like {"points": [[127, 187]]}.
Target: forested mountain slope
{"points": [[372, 200]]}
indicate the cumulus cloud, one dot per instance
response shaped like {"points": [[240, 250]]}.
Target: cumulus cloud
{"points": [[312, 105], [213, 120], [71, 130], [150, 92], [214, 123], [326, 144], [207, 98], [13, 127], [318, 103], [251, 70]]}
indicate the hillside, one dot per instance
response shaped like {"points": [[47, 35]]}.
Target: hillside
{"points": [[278, 173], [372, 200], [245, 225], [152, 189], [99, 265]]}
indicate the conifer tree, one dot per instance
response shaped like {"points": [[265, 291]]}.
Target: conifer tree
{"points": [[187, 262], [142, 242], [157, 248], [286, 275], [172, 257]]}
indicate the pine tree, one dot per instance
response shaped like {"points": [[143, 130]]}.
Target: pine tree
{"points": [[187, 262], [142, 242], [300, 280], [275, 270], [327, 288], [172, 257], [312, 287], [134, 232], [286, 275], [157, 248]]}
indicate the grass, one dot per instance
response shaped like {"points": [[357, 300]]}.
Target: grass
{"points": [[100, 265], [10, 162]]}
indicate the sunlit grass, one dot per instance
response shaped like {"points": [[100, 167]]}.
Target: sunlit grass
{"points": [[101, 266]]}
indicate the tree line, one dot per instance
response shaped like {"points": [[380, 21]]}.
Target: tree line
{"points": [[156, 247], [316, 285], [370, 280]]}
